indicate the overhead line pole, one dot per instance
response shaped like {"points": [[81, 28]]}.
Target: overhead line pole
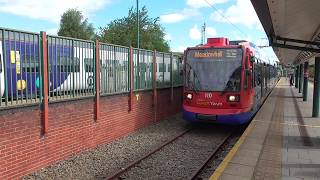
{"points": [[138, 26], [138, 46]]}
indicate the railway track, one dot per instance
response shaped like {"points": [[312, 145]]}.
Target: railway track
{"points": [[125, 169], [218, 149], [221, 143]]}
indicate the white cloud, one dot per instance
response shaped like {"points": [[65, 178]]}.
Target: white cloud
{"points": [[211, 32], [203, 3], [179, 16], [167, 37], [240, 13], [179, 49], [195, 33], [189, 12], [50, 10], [53, 31]]}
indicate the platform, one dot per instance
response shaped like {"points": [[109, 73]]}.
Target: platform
{"points": [[281, 142]]}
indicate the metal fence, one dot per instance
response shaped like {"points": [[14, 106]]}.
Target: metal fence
{"points": [[20, 80], [114, 69], [71, 67]]}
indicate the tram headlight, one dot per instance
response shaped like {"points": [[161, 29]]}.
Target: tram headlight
{"points": [[189, 96], [234, 98]]}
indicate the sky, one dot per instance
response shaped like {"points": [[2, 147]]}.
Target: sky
{"points": [[181, 19]]}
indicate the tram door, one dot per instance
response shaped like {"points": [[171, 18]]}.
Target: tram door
{"points": [[262, 79], [248, 76]]}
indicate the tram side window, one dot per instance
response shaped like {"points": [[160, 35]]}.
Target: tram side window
{"points": [[69, 65], [257, 75], [246, 76], [162, 67], [30, 64], [89, 64], [253, 76], [0, 64]]}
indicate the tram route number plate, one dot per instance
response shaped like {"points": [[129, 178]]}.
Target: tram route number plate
{"points": [[206, 117]]}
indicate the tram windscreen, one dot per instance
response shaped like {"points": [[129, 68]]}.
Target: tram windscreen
{"points": [[214, 69]]}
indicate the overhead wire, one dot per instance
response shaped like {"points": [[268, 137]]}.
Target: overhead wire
{"points": [[221, 14]]}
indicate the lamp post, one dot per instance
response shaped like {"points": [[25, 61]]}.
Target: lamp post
{"points": [[138, 46], [138, 26]]}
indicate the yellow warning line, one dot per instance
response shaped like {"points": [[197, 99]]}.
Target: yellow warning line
{"points": [[222, 166], [218, 172], [292, 124]]}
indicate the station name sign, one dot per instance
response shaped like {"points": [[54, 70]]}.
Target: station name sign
{"points": [[233, 53], [211, 54]]}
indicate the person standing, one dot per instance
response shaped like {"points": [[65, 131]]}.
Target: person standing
{"points": [[291, 79]]}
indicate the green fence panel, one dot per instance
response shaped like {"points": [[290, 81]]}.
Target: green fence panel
{"points": [[71, 68], [19, 68], [114, 69], [143, 69]]}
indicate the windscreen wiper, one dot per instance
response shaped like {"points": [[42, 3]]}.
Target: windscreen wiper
{"points": [[195, 76], [226, 88]]}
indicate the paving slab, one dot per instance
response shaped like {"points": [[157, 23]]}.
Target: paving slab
{"points": [[281, 142]]}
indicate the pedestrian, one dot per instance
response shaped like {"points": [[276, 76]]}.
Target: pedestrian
{"points": [[291, 79]]}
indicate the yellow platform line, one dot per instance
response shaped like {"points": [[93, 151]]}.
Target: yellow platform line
{"points": [[222, 166]]}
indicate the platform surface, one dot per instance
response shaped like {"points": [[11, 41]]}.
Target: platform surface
{"points": [[281, 142]]}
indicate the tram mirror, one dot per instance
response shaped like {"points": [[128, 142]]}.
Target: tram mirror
{"points": [[252, 59]]}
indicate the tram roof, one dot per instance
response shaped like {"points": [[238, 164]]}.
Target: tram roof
{"points": [[292, 26]]}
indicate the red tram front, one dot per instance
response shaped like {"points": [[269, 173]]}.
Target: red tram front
{"points": [[218, 84]]}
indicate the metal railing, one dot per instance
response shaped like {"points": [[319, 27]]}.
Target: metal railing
{"points": [[71, 68], [114, 69], [71, 65], [20, 80]]}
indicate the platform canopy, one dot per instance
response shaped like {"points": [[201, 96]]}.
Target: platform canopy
{"points": [[292, 26]]}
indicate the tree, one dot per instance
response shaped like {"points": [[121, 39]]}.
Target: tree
{"points": [[123, 31], [73, 24]]}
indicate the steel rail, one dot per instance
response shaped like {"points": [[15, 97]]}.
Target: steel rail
{"points": [[132, 164], [215, 152]]}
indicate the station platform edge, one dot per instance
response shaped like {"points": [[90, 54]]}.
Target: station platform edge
{"points": [[281, 142]]}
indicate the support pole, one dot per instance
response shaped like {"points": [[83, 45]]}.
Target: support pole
{"points": [[300, 78], [97, 81], [296, 82], [316, 88], [45, 84], [305, 81]]}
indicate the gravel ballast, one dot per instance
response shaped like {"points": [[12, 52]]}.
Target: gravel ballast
{"points": [[106, 159], [182, 158], [178, 160]]}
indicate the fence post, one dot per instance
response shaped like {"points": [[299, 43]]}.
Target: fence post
{"points": [[45, 84], [171, 76], [131, 79], [97, 80], [154, 85]]}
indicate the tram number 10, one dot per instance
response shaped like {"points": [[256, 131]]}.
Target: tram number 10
{"points": [[208, 95]]}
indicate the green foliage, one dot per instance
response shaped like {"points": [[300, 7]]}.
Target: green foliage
{"points": [[73, 24], [123, 31]]}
